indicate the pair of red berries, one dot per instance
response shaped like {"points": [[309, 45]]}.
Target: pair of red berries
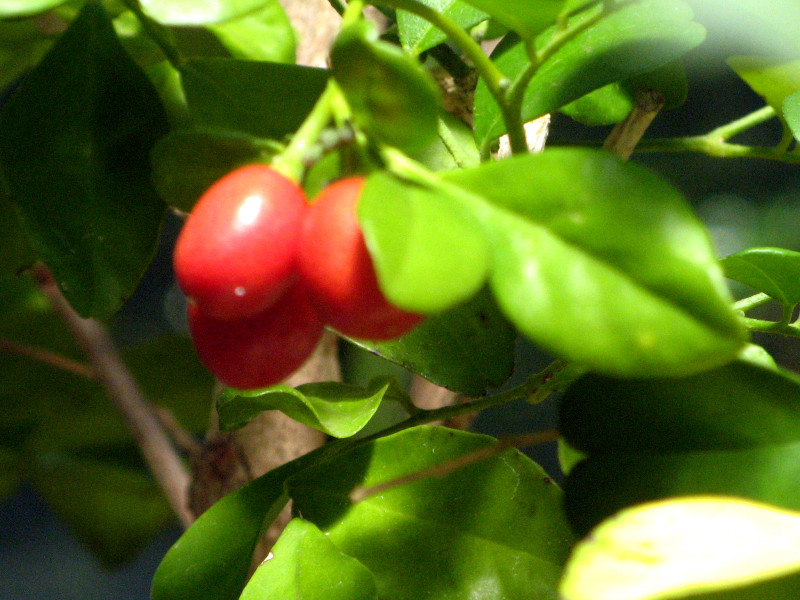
{"points": [[265, 271]]}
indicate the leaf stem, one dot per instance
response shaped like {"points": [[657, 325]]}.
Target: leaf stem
{"points": [[746, 304], [47, 357], [772, 327], [720, 149], [156, 33], [729, 130]]}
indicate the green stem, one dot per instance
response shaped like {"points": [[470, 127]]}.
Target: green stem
{"points": [[771, 327], [156, 33], [291, 161], [729, 130], [495, 80], [721, 149], [746, 304]]}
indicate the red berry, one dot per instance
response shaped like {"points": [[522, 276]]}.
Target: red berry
{"points": [[337, 269], [261, 350], [236, 253]]}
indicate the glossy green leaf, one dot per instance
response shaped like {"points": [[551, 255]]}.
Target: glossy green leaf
{"points": [[23, 8], [250, 96], [85, 195], [187, 161], [527, 17], [637, 38], [391, 96], [582, 242], [604, 106], [265, 35], [428, 256], [445, 536], [468, 349], [417, 34], [733, 430], [774, 78], [307, 566], [791, 112], [774, 271], [682, 547], [338, 409], [199, 12], [212, 558]]}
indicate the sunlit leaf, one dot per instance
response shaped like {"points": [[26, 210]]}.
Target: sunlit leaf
{"points": [[678, 548], [23, 8], [307, 565], [417, 34], [774, 271], [265, 35], [442, 536], [199, 12], [526, 17], [772, 77]]}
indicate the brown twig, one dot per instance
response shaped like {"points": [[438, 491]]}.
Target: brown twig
{"points": [[626, 135], [47, 357], [139, 416], [445, 468]]}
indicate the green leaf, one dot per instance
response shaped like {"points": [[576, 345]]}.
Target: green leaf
{"points": [[428, 256], [24, 8], [187, 161], [307, 566], [791, 112], [733, 430], [604, 106], [468, 349], [390, 94], [15, 251], [670, 80], [445, 536], [199, 12], [418, 35], [774, 271], [582, 242], [265, 35], [460, 150], [527, 17], [338, 409], [22, 45], [250, 96], [212, 558], [682, 547], [774, 78], [84, 194], [637, 38]]}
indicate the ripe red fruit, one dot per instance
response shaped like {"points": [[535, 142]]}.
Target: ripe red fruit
{"points": [[261, 350], [337, 269], [236, 253]]}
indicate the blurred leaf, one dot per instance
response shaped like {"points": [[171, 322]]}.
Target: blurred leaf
{"points": [[774, 78], [442, 536], [758, 356], [84, 195], [418, 35], [791, 112], [459, 152], [527, 17], [15, 251], [338, 409], [733, 430], [199, 12], [582, 242], [670, 80], [637, 38], [24, 8], [265, 35], [187, 161], [677, 548], [10, 472], [211, 560], [307, 565], [468, 349], [250, 96], [427, 255], [391, 96], [774, 271], [23, 42]]}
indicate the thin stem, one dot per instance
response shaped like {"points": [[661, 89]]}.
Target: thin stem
{"points": [[495, 80], [155, 33], [445, 468], [729, 130], [771, 327], [138, 414], [704, 145], [746, 304], [338, 6], [292, 160], [47, 357]]}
